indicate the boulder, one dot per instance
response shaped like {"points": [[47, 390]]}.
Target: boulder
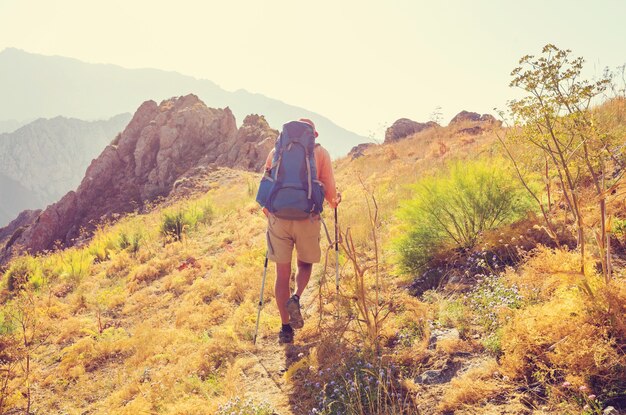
{"points": [[358, 151], [404, 127], [467, 116], [438, 376]]}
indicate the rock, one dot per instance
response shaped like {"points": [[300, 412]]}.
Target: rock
{"points": [[442, 334], [404, 127], [158, 146], [250, 147], [431, 377], [438, 376], [609, 410], [488, 118], [10, 233], [467, 116], [359, 151]]}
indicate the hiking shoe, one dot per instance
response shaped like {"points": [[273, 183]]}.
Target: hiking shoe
{"points": [[293, 308], [285, 335]]}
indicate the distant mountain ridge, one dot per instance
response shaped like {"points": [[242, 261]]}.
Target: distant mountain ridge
{"points": [[46, 86], [43, 160]]}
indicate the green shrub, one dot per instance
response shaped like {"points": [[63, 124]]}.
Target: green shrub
{"points": [[451, 210], [176, 223], [24, 270], [73, 264], [101, 246], [130, 241], [199, 213], [173, 225]]}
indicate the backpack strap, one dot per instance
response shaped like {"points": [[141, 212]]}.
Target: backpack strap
{"points": [[308, 171], [280, 157]]}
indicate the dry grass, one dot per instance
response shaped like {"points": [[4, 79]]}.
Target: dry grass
{"points": [[568, 332], [473, 387]]}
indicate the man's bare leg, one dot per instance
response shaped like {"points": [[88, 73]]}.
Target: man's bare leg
{"points": [[281, 290], [303, 276]]}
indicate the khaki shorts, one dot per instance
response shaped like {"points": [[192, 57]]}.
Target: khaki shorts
{"points": [[283, 234]]}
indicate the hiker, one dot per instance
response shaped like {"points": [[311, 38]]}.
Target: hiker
{"points": [[292, 194]]}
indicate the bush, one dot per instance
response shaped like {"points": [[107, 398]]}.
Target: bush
{"points": [[176, 223], [101, 246], [451, 210], [173, 225], [22, 271], [130, 241], [73, 265]]}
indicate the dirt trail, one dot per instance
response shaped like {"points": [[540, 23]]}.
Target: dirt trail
{"points": [[265, 379]]}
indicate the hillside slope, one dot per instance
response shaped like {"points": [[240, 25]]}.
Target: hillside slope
{"points": [[156, 313]]}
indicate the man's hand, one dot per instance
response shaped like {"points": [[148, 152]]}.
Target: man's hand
{"points": [[337, 199]]}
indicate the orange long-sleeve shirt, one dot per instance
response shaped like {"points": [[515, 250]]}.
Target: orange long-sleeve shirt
{"points": [[325, 174]]}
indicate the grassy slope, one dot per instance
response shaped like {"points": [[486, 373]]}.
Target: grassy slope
{"points": [[168, 329]]}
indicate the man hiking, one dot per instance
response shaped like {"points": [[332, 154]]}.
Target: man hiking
{"points": [[292, 193]]}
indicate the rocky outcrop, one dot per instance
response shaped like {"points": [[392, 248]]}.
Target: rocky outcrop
{"points": [[254, 140], [14, 230], [160, 144], [467, 116], [404, 127], [472, 123], [359, 151]]}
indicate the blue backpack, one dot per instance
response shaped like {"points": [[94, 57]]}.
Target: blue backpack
{"points": [[290, 189]]}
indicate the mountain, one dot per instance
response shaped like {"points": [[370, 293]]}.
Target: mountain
{"points": [[159, 147], [43, 160], [46, 86]]}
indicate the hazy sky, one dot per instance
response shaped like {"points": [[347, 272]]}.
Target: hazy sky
{"points": [[361, 63]]}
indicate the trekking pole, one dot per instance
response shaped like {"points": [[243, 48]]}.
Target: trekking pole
{"points": [[336, 253], [258, 315]]}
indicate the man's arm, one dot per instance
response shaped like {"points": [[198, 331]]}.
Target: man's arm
{"points": [[326, 176], [268, 166], [268, 162]]}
